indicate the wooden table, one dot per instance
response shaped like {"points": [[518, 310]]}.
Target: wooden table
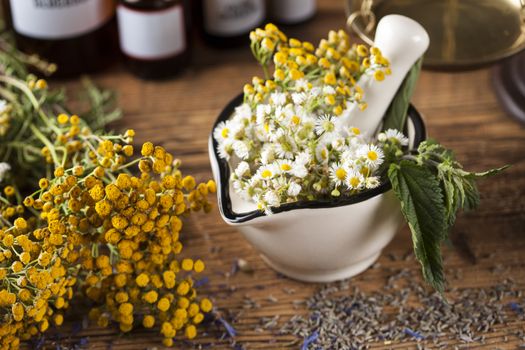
{"points": [[460, 110]]}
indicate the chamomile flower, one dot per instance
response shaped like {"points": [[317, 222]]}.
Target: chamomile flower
{"points": [[225, 149], [262, 112], [303, 158], [244, 111], [294, 189], [354, 180], [372, 154], [372, 182], [325, 124], [272, 198], [241, 149], [395, 136], [286, 147], [299, 170], [328, 90], [294, 121], [278, 98], [338, 174], [301, 84], [299, 98], [223, 131], [267, 172], [268, 155], [284, 165], [322, 153], [243, 169]]}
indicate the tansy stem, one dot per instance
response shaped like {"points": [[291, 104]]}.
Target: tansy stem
{"points": [[36, 105], [265, 71], [46, 142]]}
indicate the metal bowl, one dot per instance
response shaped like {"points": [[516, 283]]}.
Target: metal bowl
{"points": [[463, 33]]}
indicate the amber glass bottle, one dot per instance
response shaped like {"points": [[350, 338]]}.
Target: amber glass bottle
{"points": [[227, 23], [78, 35], [154, 36]]}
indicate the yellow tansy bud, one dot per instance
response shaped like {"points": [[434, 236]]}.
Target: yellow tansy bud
{"points": [[62, 118], [198, 266], [148, 321], [163, 304], [147, 149], [206, 305]]}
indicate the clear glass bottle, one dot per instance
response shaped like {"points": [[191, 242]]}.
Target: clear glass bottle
{"points": [[227, 23], [78, 35], [154, 36]]}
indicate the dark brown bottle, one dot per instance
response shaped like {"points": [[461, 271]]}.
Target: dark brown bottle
{"points": [[227, 23], [290, 12], [78, 35], [154, 36]]}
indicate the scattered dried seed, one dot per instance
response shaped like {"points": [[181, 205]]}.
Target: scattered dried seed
{"points": [[355, 320]]}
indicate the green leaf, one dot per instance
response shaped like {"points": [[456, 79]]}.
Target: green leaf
{"points": [[487, 173], [471, 199], [395, 116], [452, 200], [423, 207]]}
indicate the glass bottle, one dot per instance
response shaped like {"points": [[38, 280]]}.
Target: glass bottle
{"points": [[78, 35], [289, 12], [154, 36], [227, 23]]}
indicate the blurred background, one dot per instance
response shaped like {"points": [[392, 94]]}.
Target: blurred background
{"points": [[159, 39]]}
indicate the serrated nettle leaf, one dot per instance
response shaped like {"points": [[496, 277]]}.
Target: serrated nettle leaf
{"points": [[451, 200], [395, 116], [471, 194], [423, 207]]}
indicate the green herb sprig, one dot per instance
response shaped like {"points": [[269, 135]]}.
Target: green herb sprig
{"points": [[431, 186]]}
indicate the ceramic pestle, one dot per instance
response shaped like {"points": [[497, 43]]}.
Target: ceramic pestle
{"points": [[402, 41]]}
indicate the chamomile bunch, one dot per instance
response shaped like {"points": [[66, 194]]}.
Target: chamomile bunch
{"points": [[287, 141]]}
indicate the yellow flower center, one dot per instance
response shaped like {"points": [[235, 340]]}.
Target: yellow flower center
{"points": [[286, 167], [340, 174], [354, 181], [296, 120], [266, 173], [225, 132], [372, 155], [356, 131]]}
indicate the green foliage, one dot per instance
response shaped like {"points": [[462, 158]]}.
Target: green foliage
{"points": [[432, 187], [421, 199], [395, 116], [21, 115]]}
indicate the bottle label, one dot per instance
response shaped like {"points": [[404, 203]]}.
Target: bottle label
{"points": [[151, 34], [59, 19], [232, 17]]}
